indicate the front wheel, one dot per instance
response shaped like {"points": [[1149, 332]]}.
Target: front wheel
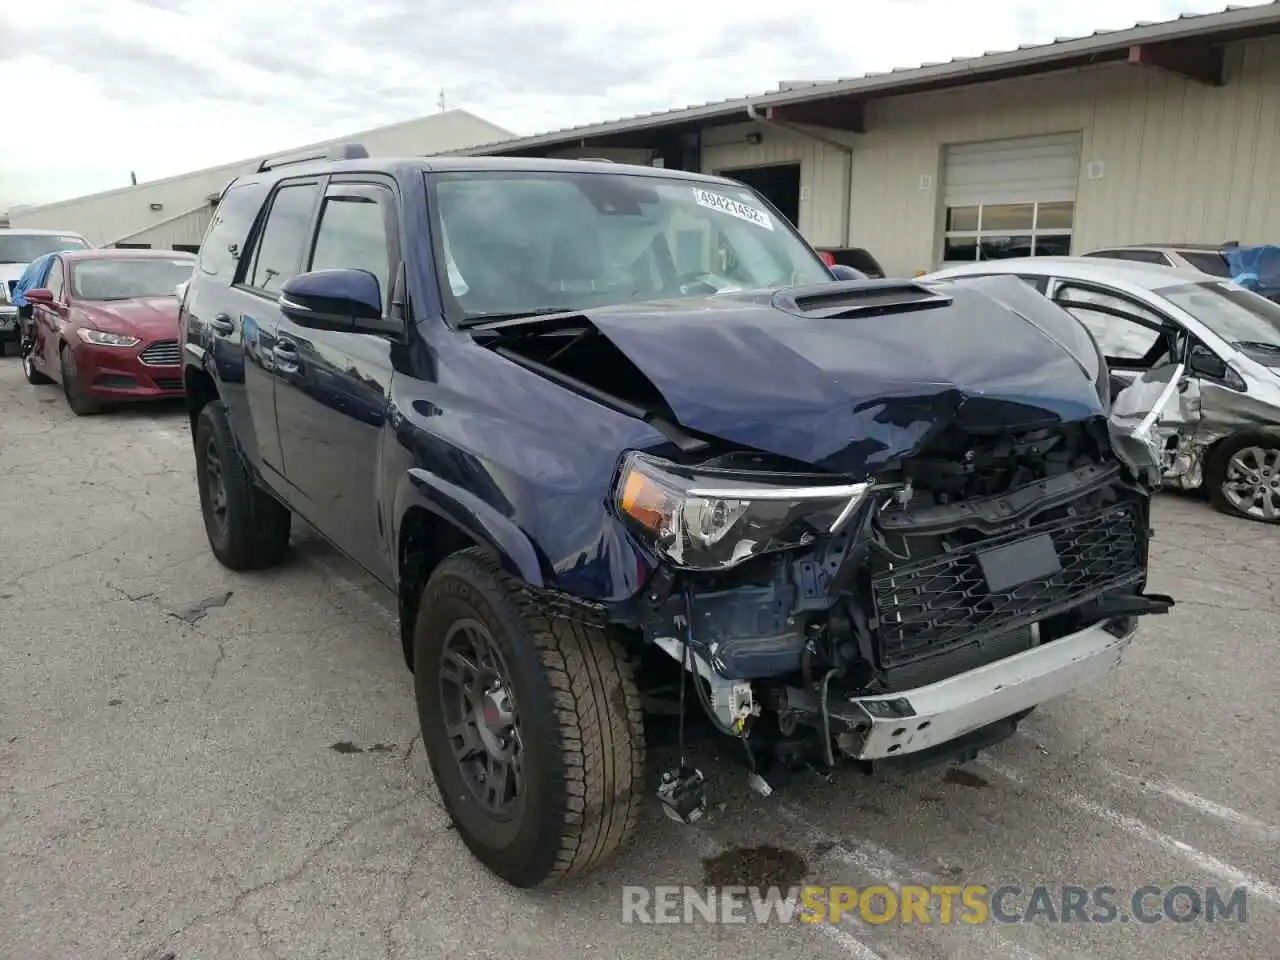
{"points": [[248, 529], [1243, 477], [532, 725], [78, 398]]}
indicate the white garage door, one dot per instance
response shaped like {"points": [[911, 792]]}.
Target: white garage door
{"points": [[1010, 198]]}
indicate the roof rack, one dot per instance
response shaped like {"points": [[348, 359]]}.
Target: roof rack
{"points": [[595, 160], [342, 151]]}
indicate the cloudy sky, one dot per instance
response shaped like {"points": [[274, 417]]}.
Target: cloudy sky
{"points": [[159, 87]]}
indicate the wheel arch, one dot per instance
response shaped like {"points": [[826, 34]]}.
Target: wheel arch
{"points": [[436, 519], [201, 390]]}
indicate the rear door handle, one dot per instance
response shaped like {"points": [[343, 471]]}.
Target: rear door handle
{"points": [[222, 324]]}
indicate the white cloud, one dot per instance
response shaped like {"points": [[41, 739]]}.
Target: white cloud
{"points": [[163, 86]]}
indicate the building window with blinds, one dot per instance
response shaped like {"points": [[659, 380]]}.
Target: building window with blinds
{"points": [[1003, 230]]}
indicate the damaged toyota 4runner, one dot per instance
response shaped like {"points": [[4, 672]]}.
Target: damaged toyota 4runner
{"points": [[591, 421]]}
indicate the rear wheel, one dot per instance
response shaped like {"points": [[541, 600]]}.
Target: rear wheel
{"points": [[78, 398], [1243, 477], [248, 529], [532, 725]]}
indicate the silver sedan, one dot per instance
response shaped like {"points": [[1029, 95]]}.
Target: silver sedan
{"points": [[1221, 426]]}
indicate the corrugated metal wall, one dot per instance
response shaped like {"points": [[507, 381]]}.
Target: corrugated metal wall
{"points": [[107, 217], [1179, 161], [1024, 169], [822, 170], [186, 228]]}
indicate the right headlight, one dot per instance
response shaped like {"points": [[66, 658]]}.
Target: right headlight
{"points": [[715, 519]]}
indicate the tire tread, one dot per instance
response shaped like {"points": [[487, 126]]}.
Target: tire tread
{"points": [[597, 710]]}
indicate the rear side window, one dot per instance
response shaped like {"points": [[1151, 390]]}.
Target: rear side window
{"points": [[224, 240], [284, 238], [1210, 262]]}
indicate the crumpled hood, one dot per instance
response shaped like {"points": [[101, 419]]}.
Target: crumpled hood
{"points": [[850, 393], [152, 318]]}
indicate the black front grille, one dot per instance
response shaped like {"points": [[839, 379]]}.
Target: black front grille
{"points": [[929, 606], [13, 285], [162, 353], [167, 383]]}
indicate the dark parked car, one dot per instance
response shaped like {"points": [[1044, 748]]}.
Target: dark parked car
{"points": [[105, 326], [855, 257], [590, 421]]}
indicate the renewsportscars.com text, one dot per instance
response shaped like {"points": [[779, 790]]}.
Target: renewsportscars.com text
{"points": [[937, 904]]}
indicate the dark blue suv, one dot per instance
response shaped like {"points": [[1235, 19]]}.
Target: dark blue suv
{"points": [[616, 436]]}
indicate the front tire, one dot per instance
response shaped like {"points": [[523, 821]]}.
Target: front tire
{"points": [[248, 529], [1243, 477], [78, 398], [532, 725]]}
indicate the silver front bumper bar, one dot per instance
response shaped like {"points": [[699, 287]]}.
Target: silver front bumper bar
{"points": [[896, 724]]}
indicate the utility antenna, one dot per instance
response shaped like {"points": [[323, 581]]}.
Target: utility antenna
{"points": [[441, 100]]}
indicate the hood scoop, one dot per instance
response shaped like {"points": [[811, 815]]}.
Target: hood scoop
{"points": [[858, 298]]}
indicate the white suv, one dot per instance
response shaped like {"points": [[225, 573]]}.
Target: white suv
{"points": [[17, 249]]}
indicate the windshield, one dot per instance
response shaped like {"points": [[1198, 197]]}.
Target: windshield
{"points": [[25, 247], [541, 242], [1239, 316], [129, 279]]}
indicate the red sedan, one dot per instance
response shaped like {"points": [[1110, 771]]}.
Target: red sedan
{"points": [[106, 326]]}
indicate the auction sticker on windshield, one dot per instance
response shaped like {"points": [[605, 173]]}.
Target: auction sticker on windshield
{"points": [[734, 208]]}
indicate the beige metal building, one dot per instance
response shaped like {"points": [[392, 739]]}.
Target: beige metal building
{"points": [[1166, 132], [173, 213]]}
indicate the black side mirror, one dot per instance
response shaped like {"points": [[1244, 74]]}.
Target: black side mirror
{"points": [[348, 301], [1206, 363], [842, 272]]}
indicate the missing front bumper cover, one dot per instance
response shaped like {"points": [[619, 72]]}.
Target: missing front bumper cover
{"points": [[891, 725]]}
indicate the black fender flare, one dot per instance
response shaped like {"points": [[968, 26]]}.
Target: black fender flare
{"points": [[472, 516]]}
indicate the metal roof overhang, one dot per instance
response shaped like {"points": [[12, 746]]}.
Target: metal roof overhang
{"points": [[1190, 46]]}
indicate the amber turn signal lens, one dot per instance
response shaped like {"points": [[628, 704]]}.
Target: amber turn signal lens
{"points": [[644, 501]]}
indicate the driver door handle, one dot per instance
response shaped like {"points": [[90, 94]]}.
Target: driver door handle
{"points": [[222, 324], [285, 353]]}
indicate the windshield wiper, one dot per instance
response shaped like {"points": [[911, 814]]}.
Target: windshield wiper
{"points": [[1257, 345]]}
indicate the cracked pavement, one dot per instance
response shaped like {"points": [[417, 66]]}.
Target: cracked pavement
{"points": [[198, 764]]}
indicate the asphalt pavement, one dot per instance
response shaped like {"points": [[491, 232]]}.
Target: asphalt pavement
{"points": [[199, 764]]}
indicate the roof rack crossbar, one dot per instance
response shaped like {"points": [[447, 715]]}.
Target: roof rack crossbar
{"points": [[341, 151]]}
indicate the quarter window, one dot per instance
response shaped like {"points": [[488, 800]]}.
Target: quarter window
{"points": [[283, 242], [353, 234], [1003, 230]]}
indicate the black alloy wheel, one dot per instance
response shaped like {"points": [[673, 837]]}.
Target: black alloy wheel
{"points": [[481, 720]]}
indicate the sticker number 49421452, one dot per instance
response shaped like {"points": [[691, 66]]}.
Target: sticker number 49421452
{"points": [[734, 208]]}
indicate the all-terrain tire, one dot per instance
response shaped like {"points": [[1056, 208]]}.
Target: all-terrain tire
{"points": [[78, 399], [580, 725], [252, 530]]}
